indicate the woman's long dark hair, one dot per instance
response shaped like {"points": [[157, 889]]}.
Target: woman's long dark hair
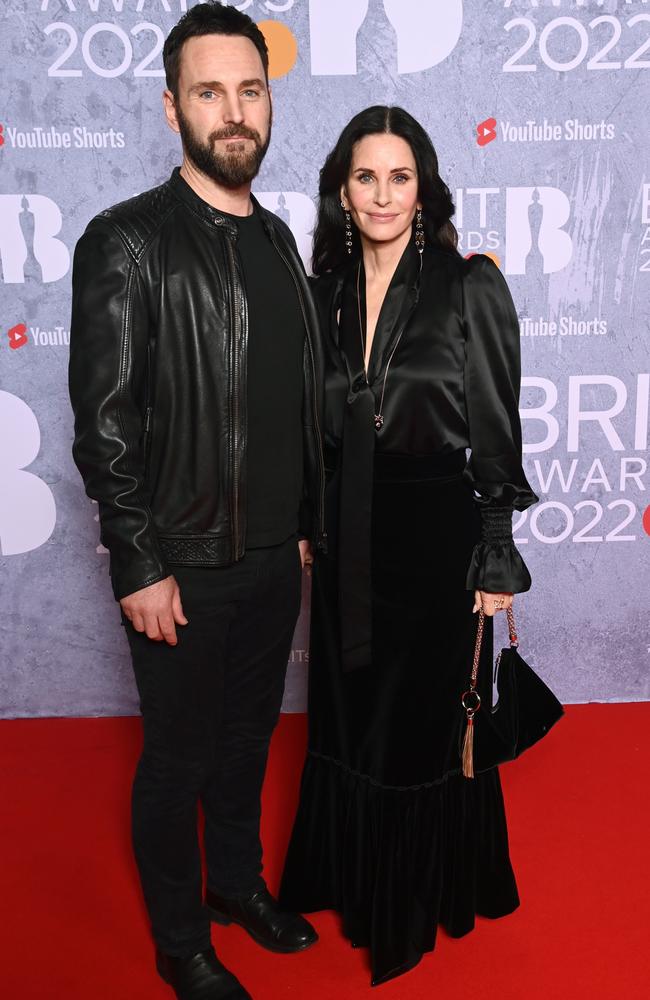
{"points": [[437, 206]]}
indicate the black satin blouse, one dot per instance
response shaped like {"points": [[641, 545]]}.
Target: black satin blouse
{"points": [[452, 383]]}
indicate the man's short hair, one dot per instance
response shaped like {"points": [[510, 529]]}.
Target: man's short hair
{"points": [[210, 18]]}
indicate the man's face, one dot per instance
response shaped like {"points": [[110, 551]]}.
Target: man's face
{"points": [[223, 108]]}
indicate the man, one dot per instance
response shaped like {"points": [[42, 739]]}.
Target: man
{"points": [[193, 381]]}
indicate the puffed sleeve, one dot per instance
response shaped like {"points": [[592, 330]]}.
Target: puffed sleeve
{"points": [[492, 377]]}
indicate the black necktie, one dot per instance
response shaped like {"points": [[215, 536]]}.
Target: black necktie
{"points": [[355, 515]]}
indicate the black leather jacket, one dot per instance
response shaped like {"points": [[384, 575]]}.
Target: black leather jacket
{"points": [[158, 355]]}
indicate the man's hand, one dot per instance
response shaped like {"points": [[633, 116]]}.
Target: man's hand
{"points": [[156, 610], [491, 603], [306, 555]]}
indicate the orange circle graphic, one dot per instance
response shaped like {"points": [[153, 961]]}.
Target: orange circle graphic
{"points": [[282, 45], [646, 520], [494, 257]]}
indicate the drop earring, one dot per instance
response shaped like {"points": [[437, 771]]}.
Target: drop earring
{"points": [[419, 231], [348, 229]]}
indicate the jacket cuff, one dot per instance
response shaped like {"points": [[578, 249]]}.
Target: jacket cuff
{"points": [[305, 520], [136, 577]]}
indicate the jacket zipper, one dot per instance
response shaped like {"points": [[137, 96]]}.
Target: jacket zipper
{"points": [[146, 445], [321, 463], [240, 312]]}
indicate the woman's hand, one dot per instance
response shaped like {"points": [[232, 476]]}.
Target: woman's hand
{"points": [[491, 603], [306, 555]]}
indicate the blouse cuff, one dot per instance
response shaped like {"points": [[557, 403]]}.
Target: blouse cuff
{"points": [[496, 525], [496, 566]]}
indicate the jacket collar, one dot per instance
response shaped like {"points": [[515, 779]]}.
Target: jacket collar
{"points": [[190, 198]]}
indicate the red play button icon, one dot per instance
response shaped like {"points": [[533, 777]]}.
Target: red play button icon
{"points": [[486, 131], [17, 336]]}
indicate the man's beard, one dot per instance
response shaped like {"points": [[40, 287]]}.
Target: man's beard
{"points": [[232, 168]]}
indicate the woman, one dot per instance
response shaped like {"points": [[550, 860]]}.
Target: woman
{"points": [[422, 362]]}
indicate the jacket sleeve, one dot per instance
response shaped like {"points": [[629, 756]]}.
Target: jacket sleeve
{"points": [[492, 378], [306, 511], [107, 380]]}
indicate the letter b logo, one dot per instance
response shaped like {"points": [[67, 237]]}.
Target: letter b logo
{"points": [[426, 33], [27, 508]]}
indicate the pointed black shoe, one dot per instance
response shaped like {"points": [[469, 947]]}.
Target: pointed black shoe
{"points": [[265, 920], [200, 977]]}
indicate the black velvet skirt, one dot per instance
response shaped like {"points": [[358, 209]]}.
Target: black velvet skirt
{"points": [[388, 831]]}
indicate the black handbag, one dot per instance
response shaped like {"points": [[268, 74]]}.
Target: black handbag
{"points": [[507, 715]]}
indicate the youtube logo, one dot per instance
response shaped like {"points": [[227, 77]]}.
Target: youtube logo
{"points": [[17, 336], [486, 131]]}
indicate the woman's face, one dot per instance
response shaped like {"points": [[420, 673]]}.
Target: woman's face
{"points": [[381, 192]]}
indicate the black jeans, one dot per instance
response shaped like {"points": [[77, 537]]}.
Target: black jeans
{"points": [[209, 707]]}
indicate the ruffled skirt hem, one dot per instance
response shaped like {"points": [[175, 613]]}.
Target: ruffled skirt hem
{"points": [[397, 862]]}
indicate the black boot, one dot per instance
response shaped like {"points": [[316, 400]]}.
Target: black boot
{"points": [[200, 977], [264, 919]]}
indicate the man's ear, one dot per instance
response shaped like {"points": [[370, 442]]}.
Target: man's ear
{"points": [[169, 105]]}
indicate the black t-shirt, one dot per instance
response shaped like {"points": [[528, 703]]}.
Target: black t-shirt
{"points": [[276, 333]]}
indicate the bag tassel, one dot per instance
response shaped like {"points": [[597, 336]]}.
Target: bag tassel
{"points": [[468, 747], [471, 702]]}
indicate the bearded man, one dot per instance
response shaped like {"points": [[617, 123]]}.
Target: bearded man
{"points": [[193, 378]]}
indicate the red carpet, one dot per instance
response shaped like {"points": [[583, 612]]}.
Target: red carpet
{"points": [[74, 927]]}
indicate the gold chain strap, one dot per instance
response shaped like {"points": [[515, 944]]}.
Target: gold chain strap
{"points": [[471, 699], [477, 647]]}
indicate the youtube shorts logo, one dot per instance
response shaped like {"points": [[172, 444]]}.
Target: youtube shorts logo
{"points": [[17, 336], [486, 131]]}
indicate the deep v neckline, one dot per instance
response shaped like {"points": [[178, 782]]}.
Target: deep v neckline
{"points": [[395, 309], [362, 306]]}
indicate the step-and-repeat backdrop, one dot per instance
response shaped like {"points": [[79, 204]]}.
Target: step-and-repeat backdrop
{"points": [[539, 113]]}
